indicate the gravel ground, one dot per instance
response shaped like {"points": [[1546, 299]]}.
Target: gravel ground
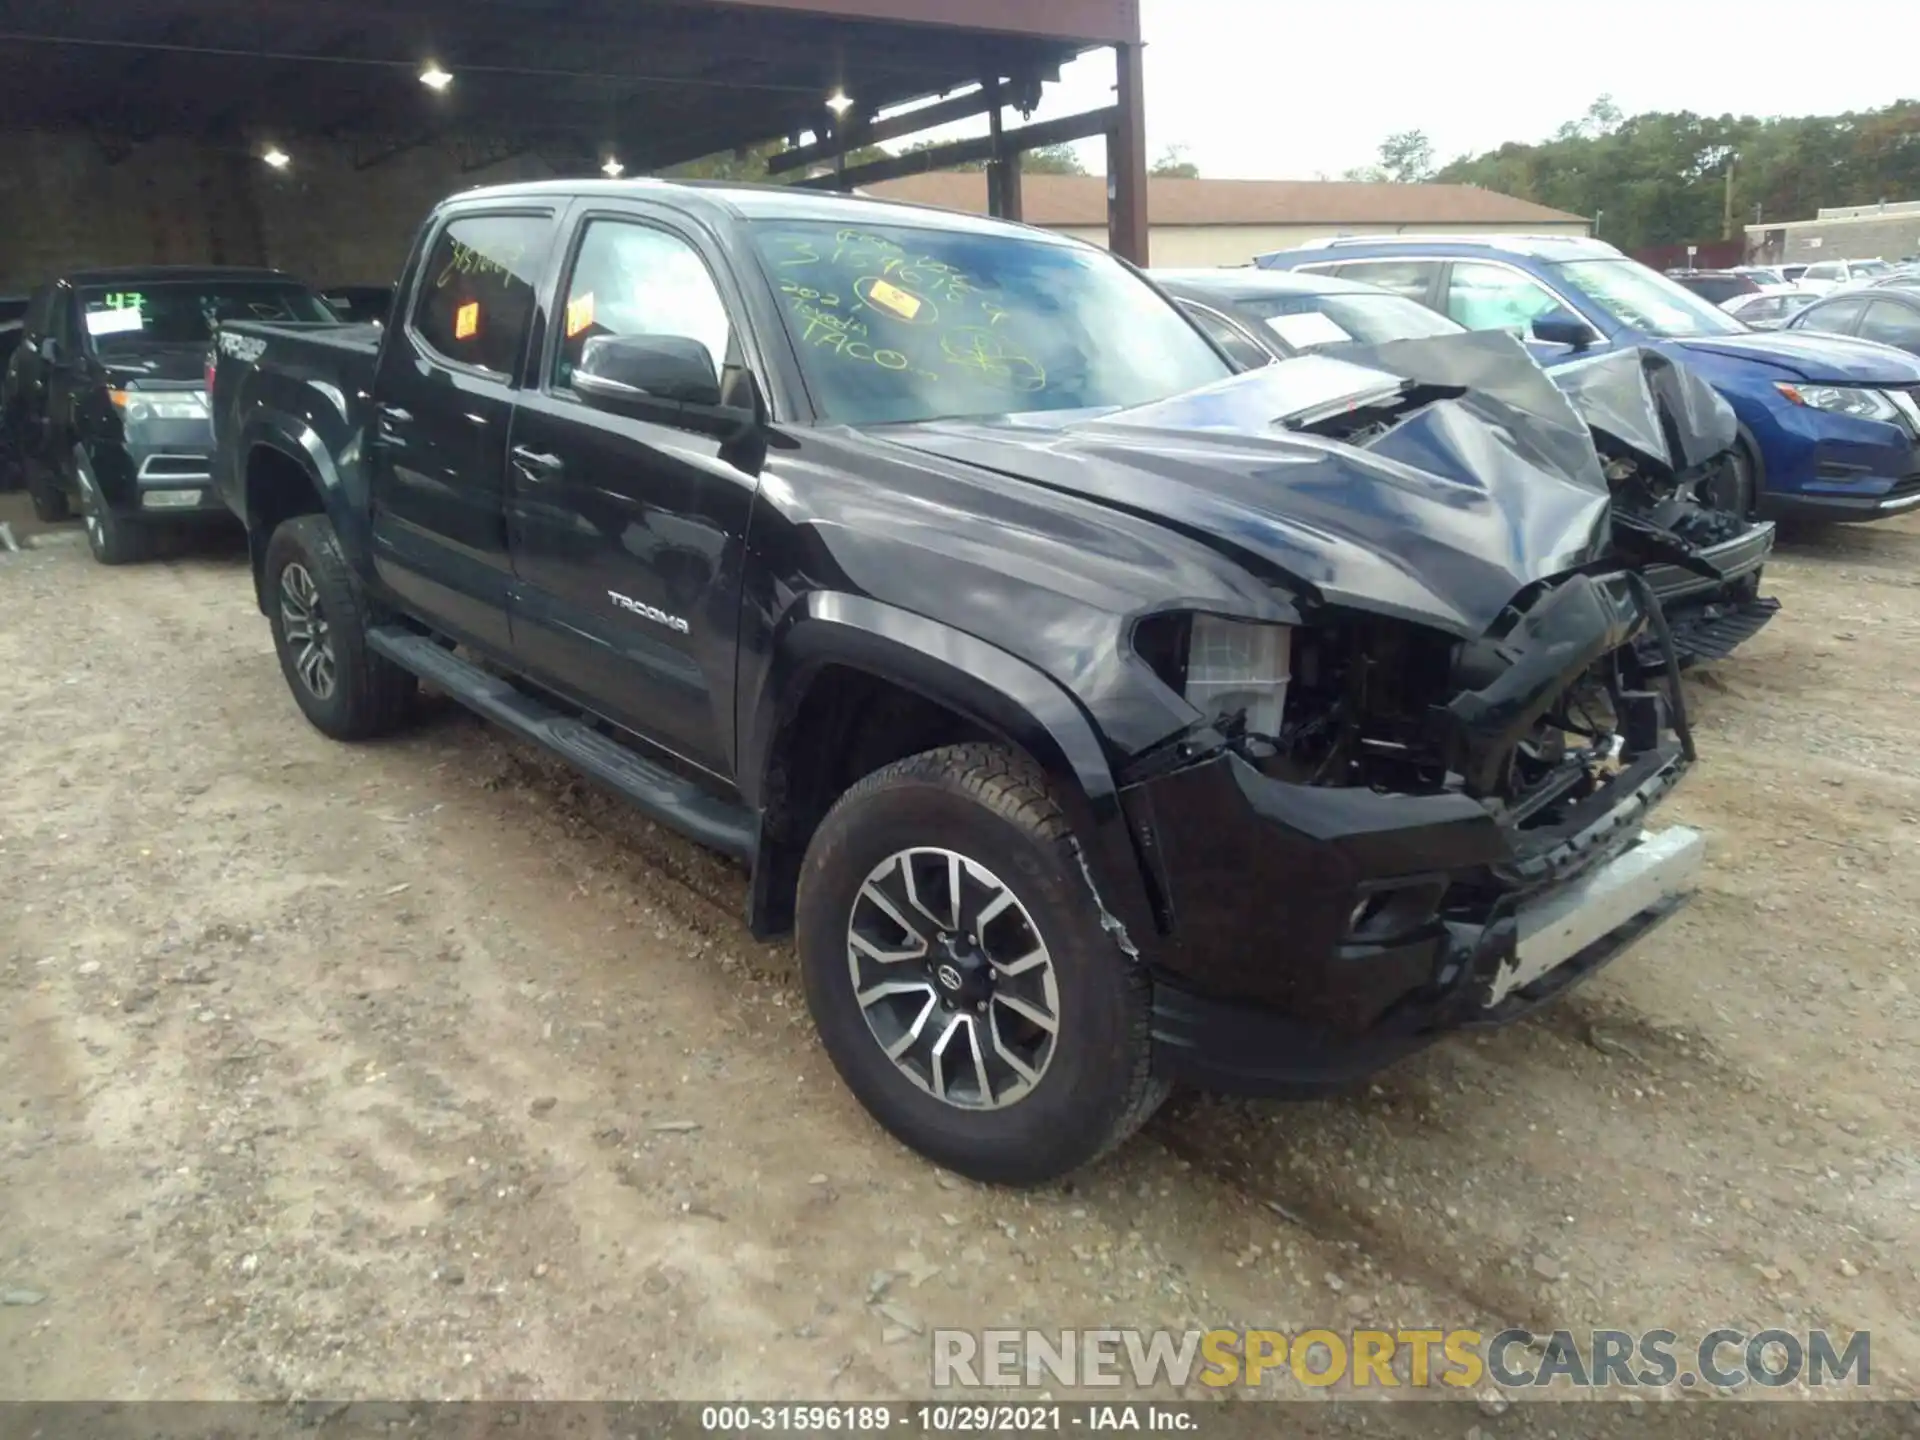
{"points": [[421, 1069]]}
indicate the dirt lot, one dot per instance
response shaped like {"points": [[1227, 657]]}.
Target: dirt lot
{"points": [[421, 1070]]}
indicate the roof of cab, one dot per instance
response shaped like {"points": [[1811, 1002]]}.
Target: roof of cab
{"points": [[760, 202]]}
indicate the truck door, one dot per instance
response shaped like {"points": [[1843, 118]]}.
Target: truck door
{"points": [[628, 533], [443, 401], [30, 389]]}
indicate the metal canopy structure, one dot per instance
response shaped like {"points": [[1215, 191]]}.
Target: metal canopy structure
{"points": [[656, 82]]}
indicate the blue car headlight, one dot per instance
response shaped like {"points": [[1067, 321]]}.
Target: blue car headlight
{"points": [[1842, 400]]}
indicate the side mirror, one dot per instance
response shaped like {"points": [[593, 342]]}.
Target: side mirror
{"points": [[50, 351], [1557, 327], [616, 370], [667, 378]]}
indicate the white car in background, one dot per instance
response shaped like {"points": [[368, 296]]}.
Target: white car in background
{"points": [[1771, 307], [1829, 275], [1767, 277]]}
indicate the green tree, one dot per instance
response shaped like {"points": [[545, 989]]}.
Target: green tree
{"points": [[1405, 158], [1666, 178], [1174, 165]]}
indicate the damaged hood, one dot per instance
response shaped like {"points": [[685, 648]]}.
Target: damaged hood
{"points": [[1444, 499], [1641, 400]]}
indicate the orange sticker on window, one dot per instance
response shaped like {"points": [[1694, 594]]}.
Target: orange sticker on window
{"points": [[466, 321], [579, 314], [891, 297]]}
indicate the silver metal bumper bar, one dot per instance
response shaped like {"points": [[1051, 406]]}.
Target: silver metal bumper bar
{"points": [[1662, 865]]}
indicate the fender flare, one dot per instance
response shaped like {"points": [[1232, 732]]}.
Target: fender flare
{"points": [[992, 687], [301, 444]]}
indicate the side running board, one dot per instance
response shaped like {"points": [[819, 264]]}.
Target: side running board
{"points": [[664, 796]]}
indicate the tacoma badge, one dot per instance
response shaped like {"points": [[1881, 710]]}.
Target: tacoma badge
{"points": [[659, 617]]}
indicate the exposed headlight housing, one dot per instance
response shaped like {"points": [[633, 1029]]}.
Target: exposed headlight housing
{"points": [[161, 404], [1861, 404], [1225, 668]]}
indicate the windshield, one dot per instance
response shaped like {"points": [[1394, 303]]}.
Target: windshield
{"points": [[1645, 299], [1305, 322], [903, 324], [183, 313]]}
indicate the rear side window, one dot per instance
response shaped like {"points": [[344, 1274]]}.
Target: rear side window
{"points": [[1492, 297], [476, 296], [1838, 318], [1411, 278], [1892, 323], [1822, 272]]}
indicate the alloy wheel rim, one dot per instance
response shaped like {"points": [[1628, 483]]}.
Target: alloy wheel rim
{"points": [[90, 512], [308, 635], [953, 978]]}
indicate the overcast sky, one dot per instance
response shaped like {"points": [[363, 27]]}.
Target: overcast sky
{"points": [[1280, 89]]}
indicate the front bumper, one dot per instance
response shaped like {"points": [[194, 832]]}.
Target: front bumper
{"points": [[1900, 499], [1713, 617], [1267, 989], [173, 484], [1313, 934]]}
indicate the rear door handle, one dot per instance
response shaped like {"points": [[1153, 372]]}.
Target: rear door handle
{"points": [[538, 466]]}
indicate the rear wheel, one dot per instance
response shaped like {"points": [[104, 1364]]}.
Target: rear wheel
{"points": [[320, 617], [114, 539], [959, 975]]}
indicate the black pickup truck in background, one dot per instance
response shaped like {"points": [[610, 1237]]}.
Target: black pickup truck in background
{"points": [[1098, 718], [104, 400]]}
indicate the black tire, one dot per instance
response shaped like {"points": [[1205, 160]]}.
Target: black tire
{"points": [[364, 694], [1733, 486], [114, 539], [993, 808], [50, 505]]}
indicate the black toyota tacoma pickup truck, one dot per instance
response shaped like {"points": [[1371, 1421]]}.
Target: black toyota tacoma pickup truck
{"points": [[1097, 718]]}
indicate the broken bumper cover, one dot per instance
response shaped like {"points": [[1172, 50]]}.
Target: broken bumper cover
{"points": [[1710, 617], [1288, 971]]}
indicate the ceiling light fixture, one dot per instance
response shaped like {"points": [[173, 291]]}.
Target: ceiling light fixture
{"points": [[613, 169], [434, 78], [277, 158], [839, 102]]}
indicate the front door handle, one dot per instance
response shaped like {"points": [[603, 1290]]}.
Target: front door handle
{"points": [[538, 465]]}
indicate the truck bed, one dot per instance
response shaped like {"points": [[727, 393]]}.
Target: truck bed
{"points": [[272, 368], [289, 337]]}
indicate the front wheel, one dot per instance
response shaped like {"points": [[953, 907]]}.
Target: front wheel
{"points": [[957, 970], [1731, 487], [320, 619], [114, 539]]}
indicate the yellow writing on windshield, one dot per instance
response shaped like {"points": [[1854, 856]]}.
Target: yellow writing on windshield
{"points": [[994, 356], [834, 288]]}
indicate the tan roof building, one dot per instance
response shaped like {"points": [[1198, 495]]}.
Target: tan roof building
{"points": [[1228, 222]]}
